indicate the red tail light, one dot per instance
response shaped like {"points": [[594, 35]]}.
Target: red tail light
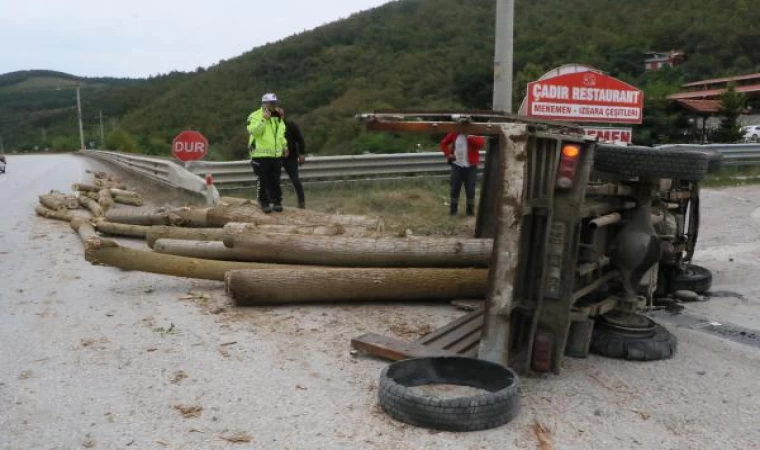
{"points": [[568, 165]]}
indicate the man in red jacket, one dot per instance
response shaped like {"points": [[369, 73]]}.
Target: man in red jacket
{"points": [[463, 153]]}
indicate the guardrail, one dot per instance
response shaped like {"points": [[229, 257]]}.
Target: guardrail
{"points": [[735, 155], [326, 168], [342, 168], [161, 170]]}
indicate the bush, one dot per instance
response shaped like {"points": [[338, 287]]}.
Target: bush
{"points": [[122, 141]]}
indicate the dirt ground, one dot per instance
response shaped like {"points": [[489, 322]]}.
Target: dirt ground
{"points": [[92, 357]]}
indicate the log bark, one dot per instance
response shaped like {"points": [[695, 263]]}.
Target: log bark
{"points": [[105, 200], [294, 285], [199, 249], [365, 252], [53, 201], [126, 200], [191, 234], [108, 184], [128, 217], [192, 217], [85, 187], [50, 214], [221, 216], [236, 201], [109, 253], [123, 193], [92, 205], [84, 229], [119, 229], [71, 202]]}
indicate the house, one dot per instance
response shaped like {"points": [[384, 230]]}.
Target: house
{"points": [[658, 60]]}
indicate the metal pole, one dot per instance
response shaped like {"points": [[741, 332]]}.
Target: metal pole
{"points": [[503, 57], [79, 113], [2, 145], [102, 138]]}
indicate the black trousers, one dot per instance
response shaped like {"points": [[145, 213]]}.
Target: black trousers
{"points": [[291, 168], [467, 176], [268, 171]]}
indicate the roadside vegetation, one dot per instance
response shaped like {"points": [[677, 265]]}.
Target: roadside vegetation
{"points": [[433, 54]]}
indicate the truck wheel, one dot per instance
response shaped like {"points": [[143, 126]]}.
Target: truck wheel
{"points": [[651, 162], [644, 342], [400, 397], [690, 278]]}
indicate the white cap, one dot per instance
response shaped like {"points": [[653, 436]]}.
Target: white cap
{"points": [[269, 98]]}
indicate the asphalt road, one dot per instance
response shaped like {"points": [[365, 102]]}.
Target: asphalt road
{"points": [[92, 357]]}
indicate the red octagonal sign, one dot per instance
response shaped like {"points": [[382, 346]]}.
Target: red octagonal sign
{"points": [[190, 146]]}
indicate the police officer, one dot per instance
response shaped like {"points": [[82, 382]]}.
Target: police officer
{"points": [[267, 146]]}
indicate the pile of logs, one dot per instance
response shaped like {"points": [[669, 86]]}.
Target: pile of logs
{"points": [[293, 257], [98, 198]]}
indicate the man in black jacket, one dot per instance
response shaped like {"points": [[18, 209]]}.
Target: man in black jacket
{"points": [[296, 156]]}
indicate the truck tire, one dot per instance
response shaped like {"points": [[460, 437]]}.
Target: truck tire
{"points": [[714, 158], [657, 345], [491, 409], [690, 278], [650, 162]]}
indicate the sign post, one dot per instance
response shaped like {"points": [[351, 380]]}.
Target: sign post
{"points": [[589, 96], [190, 146]]}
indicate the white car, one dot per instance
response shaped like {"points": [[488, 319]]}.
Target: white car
{"points": [[751, 133]]}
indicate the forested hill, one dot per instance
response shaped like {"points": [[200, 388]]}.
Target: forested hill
{"points": [[431, 54]]}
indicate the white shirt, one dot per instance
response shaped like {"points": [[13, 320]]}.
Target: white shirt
{"points": [[460, 151]]}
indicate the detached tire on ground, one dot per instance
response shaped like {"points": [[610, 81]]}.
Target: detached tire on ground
{"points": [[690, 278], [650, 162], [653, 345], [399, 398]]}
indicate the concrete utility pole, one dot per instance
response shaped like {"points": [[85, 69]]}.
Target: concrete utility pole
{"points": [[102, 134], [79, 113], [503, 58]]}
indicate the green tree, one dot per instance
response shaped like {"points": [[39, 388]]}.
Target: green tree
{"points": [[732, 104], [122, 141]]}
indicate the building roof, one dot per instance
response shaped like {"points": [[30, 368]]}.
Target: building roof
{"points": [[700, 106], [713, 93], [723, 80]]}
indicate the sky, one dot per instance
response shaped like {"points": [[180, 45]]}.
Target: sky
{"points": [[138, 38]]}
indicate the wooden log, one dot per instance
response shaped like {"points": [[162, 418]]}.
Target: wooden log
{"points": [[108, 184], [124, 193], [233, 229], [85, 187], [296, 285], [61, 214], [221, 216], [365, 252], [191, 234], [119, 229], [191, 217], [71, 201], [109, 253], [200, 249], [53, 201], [126, 200], [105, 200], [92, 205], [84, 228], [128, 217]]}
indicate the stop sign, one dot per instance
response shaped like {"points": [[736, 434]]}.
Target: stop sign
{"points": [[190, 146]]}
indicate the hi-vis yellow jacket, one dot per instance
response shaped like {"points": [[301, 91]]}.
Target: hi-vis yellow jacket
{"points": [[267, 136]]}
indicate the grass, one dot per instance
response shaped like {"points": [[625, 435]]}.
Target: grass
{"points": [[733, 176], [416, 204]]}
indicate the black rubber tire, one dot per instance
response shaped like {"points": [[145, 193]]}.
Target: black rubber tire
{"points": [[471, 413], [650, 162], [691, 278], [658, 345], [714, 158]]}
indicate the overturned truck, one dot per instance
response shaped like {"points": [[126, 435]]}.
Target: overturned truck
{"points": [[588, 237]]}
